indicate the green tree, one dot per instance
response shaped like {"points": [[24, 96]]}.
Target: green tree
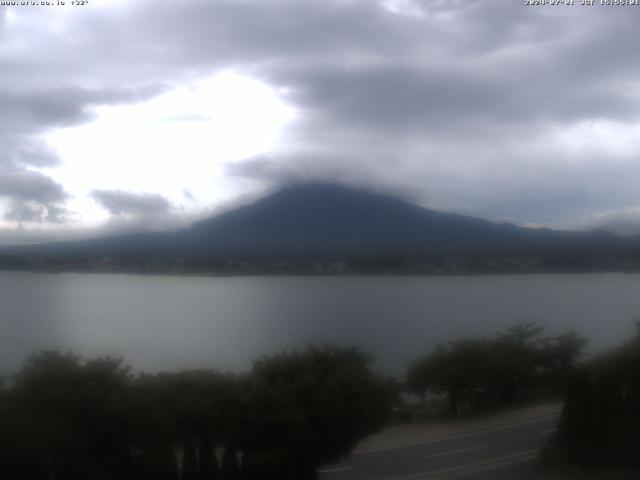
{"points": [[516, 363], [600, 422], [310, 408], [69, 418], [192, 412], [73, 419]]}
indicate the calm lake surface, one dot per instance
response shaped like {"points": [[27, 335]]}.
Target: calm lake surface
{"points": [[171, 322]]}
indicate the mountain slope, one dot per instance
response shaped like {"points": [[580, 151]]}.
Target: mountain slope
{"points": [[322, 220], [330, 220]]}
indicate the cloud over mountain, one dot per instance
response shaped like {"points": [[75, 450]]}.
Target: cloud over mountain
{"points": [[118, 202]]}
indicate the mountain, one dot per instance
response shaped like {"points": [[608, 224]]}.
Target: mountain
{"points": [[331, 221]]}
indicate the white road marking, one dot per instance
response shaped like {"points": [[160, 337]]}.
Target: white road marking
{"points": [[453, 452], [521, 457], [335, 470], [456, 437], [547, 432]]}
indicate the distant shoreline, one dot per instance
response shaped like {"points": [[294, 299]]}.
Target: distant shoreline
{"points": [[212, 274]]}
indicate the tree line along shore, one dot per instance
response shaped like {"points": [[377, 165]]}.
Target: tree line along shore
{"points": [[65, 417]]}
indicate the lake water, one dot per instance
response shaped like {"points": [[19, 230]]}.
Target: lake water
{"points": [[172, 322]]}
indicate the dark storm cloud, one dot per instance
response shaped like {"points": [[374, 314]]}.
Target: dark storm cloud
{"points": [[33, 197], [407, 100], [39, 109], [57, 214], [118, 202], [232, 32], [24, 212], [501, 64], [27, 185], [370, 65], [32, 212]]}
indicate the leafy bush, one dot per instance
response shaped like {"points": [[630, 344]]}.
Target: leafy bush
{"points": [[74, 419], [518, 363]]}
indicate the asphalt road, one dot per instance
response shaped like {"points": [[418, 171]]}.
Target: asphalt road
{"points": [[501, 452]]}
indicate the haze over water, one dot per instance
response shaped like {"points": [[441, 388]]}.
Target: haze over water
{"points": [[171, 322]]}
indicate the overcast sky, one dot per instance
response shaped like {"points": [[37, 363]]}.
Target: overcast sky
{"points": [[122, 114]]}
